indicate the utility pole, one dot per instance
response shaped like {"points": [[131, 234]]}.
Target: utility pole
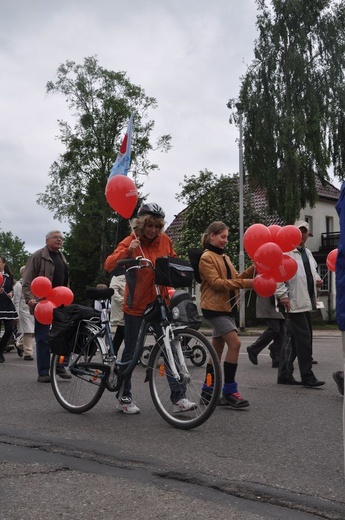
{"points": [[242, 301]]}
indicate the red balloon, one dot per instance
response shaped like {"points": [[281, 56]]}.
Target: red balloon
{"points": [[1, 279], [122, 195], [267, 256], [288, 238], [286, 270], [264, 285], [41, 286], [254, 237], [274, 230], [61, 295], [331, 259], [44, 312]]}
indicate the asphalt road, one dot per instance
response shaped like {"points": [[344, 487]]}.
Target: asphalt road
{"points": [[282, 458]]}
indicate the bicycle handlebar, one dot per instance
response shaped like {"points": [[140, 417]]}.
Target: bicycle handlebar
{"points": [[139, 261]]}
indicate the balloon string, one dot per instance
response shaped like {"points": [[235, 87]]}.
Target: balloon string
{"points": [[132, 228], [235, 297]]}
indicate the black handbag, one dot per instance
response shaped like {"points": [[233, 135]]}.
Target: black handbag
{"points": [[173, 272]]}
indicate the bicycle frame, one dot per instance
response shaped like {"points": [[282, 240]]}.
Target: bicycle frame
{"points": [[167, 336]]}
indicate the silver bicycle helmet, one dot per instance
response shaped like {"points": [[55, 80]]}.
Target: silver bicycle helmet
{"points": [[151, 208]]}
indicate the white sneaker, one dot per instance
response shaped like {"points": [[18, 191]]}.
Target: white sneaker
{"points": [[126, 405], [184, 405]]}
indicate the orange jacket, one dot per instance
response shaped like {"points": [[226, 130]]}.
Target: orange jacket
{"points": [[140, 290]]}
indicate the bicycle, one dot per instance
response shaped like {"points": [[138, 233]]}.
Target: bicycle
{"points": [[94, 367]]}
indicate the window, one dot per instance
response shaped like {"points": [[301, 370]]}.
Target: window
{"points": [[309, 219], [329, 224]]}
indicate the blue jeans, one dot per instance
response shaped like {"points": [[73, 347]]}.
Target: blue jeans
{"points": [[42, 348], [132, 326]]}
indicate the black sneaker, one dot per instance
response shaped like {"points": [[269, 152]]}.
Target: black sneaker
{"points": [[339, 381], [61, 372], [234, 400], [44, 379]]}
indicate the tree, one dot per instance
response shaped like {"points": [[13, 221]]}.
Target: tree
{"points": [[209, 198], [293, 97], [12, 248], [101, 102]]}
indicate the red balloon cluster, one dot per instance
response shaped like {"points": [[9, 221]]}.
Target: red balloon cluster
{"points": [[266, 247], [42, 288], [122, 195]]}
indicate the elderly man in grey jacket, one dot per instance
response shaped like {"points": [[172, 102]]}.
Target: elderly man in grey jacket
{"points": [[299, 300]]}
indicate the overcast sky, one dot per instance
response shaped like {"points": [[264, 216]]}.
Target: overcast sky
{"points": [[188, 54]]}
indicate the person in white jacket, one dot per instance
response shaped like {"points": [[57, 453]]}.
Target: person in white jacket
{"points": [[116, 316], [299, 300], [26, 324]]}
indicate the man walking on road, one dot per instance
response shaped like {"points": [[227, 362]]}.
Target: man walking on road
{"points": [[49, 262], [299, 301]]}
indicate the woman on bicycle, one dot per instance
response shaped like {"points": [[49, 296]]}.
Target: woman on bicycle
{"points": [[147, 240], [219, 291]]}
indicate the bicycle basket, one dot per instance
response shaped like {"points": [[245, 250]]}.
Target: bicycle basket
{"points": [[183, 307], [62, 334], [173, 272]]}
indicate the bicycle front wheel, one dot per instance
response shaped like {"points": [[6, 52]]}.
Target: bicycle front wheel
{"points": [[182, 403], [76, 380]]}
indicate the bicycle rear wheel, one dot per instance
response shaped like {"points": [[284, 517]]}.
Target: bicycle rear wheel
{"points": [[164, 388], [78, 387]]}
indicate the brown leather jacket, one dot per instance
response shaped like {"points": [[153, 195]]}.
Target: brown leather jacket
{"points": [[39, 264], [216, 287]]}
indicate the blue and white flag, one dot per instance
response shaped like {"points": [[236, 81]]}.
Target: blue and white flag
{"points": [[123, 159]]}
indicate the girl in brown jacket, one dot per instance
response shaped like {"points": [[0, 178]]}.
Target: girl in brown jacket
{"points": [[220, 283]]}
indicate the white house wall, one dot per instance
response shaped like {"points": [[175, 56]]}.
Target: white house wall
{"points": [[322, 210]]}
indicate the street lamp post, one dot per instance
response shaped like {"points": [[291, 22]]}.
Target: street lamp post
{"points": [[242, 301]]}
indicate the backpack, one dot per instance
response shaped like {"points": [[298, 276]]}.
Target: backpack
{"points": [[188, 311], [194, 255]]}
